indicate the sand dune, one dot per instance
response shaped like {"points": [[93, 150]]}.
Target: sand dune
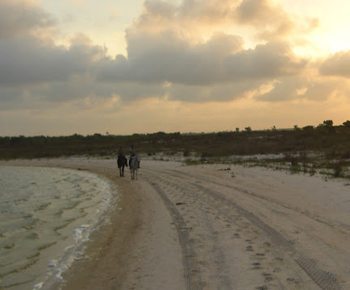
{"points": [[206, 227]]}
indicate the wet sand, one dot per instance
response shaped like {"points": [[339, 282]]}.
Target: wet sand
{"points": [[214, 227]]}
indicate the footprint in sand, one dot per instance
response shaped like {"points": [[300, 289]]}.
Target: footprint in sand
{"points": [[267, 245], [250, 242], [268, 277]]}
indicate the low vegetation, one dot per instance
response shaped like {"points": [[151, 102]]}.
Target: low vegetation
{"points": [[302, 149]]}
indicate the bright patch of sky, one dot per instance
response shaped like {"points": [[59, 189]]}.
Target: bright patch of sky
{"points": [[104, 22], [333, 21], [194, 65]]}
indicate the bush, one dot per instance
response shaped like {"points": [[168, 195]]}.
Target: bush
{"points": [[338, 170]]}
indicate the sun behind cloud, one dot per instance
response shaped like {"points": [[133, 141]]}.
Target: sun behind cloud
{"points": [[191, 65]]}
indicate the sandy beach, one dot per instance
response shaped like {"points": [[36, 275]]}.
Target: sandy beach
{"points": [[215, 227]]}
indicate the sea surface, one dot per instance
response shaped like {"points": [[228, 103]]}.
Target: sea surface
{"points": [[46, 216]]}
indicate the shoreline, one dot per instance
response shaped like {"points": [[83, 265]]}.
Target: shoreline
{"points": [[106, 253], [104, 262], [215, 226]]}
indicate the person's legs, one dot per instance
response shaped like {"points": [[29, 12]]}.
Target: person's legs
{"points": [[122, 171]]}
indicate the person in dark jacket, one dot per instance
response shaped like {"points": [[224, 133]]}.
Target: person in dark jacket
{"points": [[122, 162]]}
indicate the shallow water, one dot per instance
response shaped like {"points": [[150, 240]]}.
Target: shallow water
{"points": [[46, 215]]}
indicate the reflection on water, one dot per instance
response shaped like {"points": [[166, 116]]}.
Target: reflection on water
{"points": [[45, 216]]}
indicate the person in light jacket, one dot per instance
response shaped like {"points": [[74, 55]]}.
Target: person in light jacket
{"points": [[134, 164]]}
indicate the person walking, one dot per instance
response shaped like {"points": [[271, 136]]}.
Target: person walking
{"points": [[134, 164], [122, 162]]}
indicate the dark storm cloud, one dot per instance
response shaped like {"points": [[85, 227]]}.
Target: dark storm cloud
{"points": [[160, 51], [168, 58], [19, 18], [302, 87], [28, 60], [162, 60], [337, 65], [271, 20]]}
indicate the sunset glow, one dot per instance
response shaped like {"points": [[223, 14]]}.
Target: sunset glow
{"points": [[79, 66]]}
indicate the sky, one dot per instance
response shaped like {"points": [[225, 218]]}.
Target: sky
{"points": [[135, 66]]}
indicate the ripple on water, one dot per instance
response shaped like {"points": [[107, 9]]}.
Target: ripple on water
{"points": [[42, 206], [45, 215]]}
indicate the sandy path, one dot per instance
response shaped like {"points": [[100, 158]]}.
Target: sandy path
{"points": [[200, 227], [259, 229]]}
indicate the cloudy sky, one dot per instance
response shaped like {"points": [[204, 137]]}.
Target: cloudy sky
{"points": [[135, 66]]}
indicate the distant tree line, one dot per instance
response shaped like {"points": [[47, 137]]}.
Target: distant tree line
{"points": [[326, 138]]}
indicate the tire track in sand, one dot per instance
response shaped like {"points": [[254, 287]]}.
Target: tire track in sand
{"points": [[324, 279], [193, 282], [217, 264]]}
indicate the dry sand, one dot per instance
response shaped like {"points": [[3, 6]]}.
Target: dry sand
{"points": [[206, 227]]}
